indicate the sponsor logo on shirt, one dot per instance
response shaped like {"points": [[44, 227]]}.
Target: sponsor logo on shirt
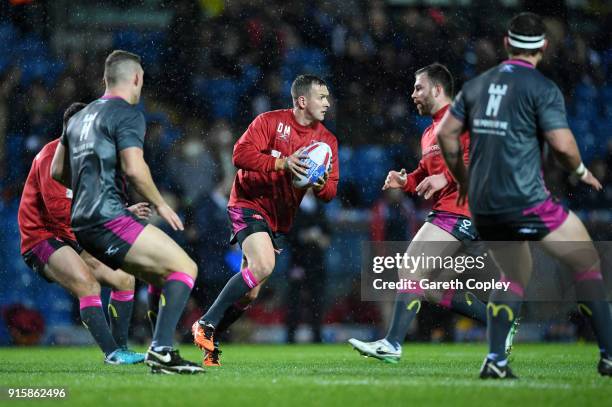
{"points": [[431, 149], [283, 131]]}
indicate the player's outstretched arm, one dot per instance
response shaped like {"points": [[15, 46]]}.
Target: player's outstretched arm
{"points": [[449, 140], [137, 171], [60, 166], [564, 147], [395, 179]]}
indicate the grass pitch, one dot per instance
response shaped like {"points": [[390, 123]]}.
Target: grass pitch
{"points": [[315, 375]]}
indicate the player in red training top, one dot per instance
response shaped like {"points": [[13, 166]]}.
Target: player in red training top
{"points": [[49, 247], [447, 223], [263, 201]]}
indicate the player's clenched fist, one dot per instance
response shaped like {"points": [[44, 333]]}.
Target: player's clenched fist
{"points": [[395, 179]]}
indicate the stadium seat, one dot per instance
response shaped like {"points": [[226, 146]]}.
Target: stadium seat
{"points": [[222, 96], [300, 60], [345, 154], [585, 93], [8, 39], [422, 122], [607, 64], [585, 137], [606, 101], [32, 46], [370, 165], [147, 44]]}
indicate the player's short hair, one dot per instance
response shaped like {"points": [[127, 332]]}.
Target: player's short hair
{"points": [[302, 85], [438, 74], [526, 34], [71, 111], [116, 64]]}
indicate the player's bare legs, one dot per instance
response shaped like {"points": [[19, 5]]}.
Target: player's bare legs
{"points": [[231, 315], [157, 259], [260, 256], [582, 258], [514, 261], [258, 250], [67, 268], [121, 299], [408, 302], [240, 305]]}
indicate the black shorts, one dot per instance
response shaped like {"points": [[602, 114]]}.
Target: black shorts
{"points": [[247, 221], [533, 223], [111, 241], [38, 256], [461, 227]]}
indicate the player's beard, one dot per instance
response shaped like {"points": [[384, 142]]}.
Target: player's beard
{"points": [[424, 108]]}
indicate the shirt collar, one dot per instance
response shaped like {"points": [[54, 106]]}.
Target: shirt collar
{"points": [[437, 116], [519, 62], [313, 126]]}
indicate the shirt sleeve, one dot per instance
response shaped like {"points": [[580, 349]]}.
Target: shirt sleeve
{"points": [[331, 186], [130, 130], [458, 107], [249, 149], [54, 194], [550, 109], [415, 177], [465, 148]]}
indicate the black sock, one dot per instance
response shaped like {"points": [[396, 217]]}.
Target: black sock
{"points": [[231, 315], [120, 313], [502, 310], [175, 294], [407, 305], [591, 303], [235, 289], [465, 303], [153, 296], [93, 318]]}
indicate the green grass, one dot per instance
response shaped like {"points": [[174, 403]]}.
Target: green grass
{"points": [[325, 375]]}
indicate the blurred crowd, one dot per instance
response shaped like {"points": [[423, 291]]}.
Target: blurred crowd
{"points": [[216, 65]]}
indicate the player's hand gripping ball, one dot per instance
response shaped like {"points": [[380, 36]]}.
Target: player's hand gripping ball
{"points": [[318, 160]]}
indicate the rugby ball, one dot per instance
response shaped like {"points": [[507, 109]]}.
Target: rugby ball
{"points": [[318, 161]]}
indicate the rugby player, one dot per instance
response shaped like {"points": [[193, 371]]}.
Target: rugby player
{"points": [[510, 110], [104, 145], [263, 201], [448, 222], [49, 247]]}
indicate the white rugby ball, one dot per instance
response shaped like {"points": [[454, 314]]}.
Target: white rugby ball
{"points": [[318, 161]]}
